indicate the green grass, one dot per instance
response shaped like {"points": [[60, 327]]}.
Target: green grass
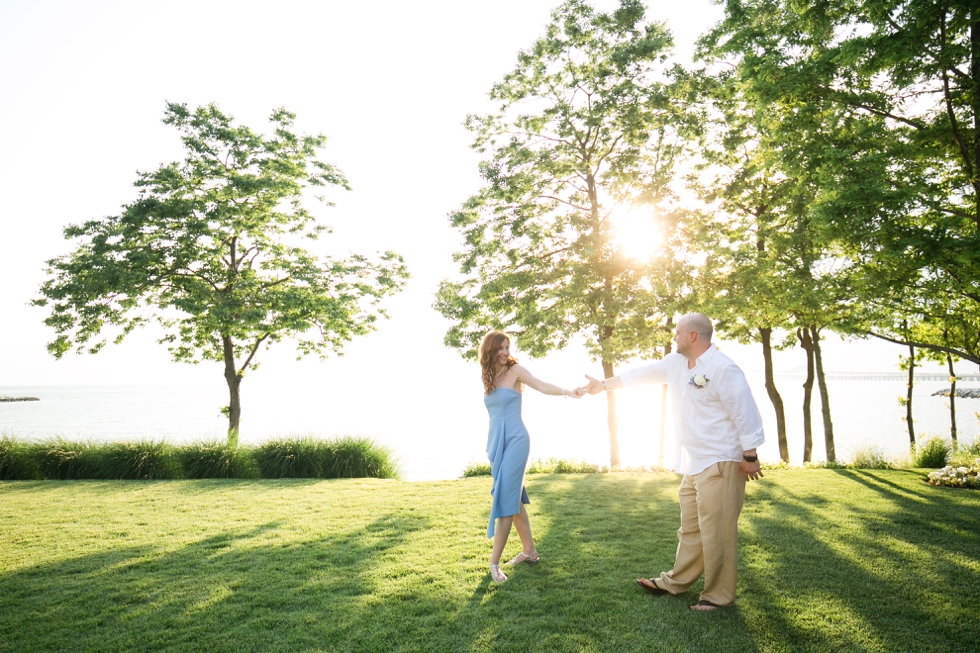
{"points": [[831, 560]]}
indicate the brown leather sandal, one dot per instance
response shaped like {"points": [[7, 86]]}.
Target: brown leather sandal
{"points": [[651, 586]]}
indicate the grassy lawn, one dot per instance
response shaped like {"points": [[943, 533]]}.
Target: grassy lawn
{"points": [[831, 560]]}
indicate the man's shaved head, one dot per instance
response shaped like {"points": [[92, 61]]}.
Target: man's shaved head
{"points": [[696, 322]]}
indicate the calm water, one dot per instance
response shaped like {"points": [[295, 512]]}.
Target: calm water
{"points": [[436, 434]]}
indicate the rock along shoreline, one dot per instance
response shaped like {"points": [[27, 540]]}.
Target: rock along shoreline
{"points": [[10, 399]]}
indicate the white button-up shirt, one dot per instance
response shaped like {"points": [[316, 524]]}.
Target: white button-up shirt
{"points": [[715, 419]]}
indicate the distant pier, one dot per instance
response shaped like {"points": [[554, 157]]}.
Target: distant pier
{"points": [[883, 376]]}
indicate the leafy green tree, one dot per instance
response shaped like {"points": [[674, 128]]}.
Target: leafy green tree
{"points": [[586, 126], [211, 251], [740, 280], [770, 261], [899, 163]]}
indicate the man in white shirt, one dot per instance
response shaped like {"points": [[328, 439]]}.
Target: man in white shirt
{"points": [[718, 428]]}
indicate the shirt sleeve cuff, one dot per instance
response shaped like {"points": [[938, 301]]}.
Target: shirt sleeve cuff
{"points": [[752, 440]]}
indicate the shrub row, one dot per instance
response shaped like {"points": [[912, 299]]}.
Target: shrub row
{"points": [[555, 466], [930, 453], [291, 457]]}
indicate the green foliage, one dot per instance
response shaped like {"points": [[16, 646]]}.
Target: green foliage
{"points": [[768, 465], [310, 457], [143, 459], [17, 462], [933, 452], [358, 457], [295, 457], [556, 466], [585, 126], [870, 457], [212, 459], [561, 466], [61, 459], [211, 251], [894, 177], [966, 454], [824, 464], [475, 468]]}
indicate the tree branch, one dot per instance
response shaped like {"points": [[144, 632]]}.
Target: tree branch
{"points": [[255, 348], [566, 202], [954, 125], [924, 345]]}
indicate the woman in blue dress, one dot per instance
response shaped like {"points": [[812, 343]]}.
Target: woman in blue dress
{"points": [[508, 445]]}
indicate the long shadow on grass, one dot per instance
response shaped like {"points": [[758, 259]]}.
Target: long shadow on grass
{"points": [[596, 534], [239, 590], [861, 563]]}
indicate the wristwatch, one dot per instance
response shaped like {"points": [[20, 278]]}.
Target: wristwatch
{"points": [[750, 459]]}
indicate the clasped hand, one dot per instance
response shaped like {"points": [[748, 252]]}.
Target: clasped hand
{"points": [[593, 387]]}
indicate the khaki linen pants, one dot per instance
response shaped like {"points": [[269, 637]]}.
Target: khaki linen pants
{"points": [[708, 537]]}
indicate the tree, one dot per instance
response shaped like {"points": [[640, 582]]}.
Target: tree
{"points": [[586, 126], [210, 251], [740, 280], [900, 169], [770, 263]]}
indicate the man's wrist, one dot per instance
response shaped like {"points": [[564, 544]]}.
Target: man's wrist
{"points": [[750, 457]]}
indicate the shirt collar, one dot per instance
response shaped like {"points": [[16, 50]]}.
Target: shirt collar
{"points": [[706, 357]]}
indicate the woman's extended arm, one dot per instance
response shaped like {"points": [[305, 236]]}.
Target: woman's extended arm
{"points": [[543, 387]]}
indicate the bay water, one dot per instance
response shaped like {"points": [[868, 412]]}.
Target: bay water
{"points": [[435, 435]]}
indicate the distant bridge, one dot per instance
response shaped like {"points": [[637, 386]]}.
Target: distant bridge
{"points": [[882, 376]]}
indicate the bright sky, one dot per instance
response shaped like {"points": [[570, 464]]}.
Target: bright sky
{"points": [[389, 83]]}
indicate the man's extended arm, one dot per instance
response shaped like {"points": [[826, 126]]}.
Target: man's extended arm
{"points": [[655, 372]]}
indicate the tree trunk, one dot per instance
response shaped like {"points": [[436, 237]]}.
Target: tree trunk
{"points": [[607, 370], [777, 401], [952, 400], [807, 344], [663, 404], [975, 74], [828, 425], [908, 397], [234, 395]]}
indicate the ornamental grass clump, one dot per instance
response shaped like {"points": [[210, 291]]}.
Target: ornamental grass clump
{"points": [[16, 461], [143, 459], [289, 458], [214, 459], [310, 457], [475, 468], [962, 476], [870, 457], [67, 460], [934, 452], [551, 466], [965, 454], [561, 466], [355, 457]]}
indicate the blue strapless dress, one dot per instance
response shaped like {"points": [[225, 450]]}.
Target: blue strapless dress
{"points": [[508, 446]]}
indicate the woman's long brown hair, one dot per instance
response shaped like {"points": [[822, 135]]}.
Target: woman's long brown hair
{"points": [[488, 356]]}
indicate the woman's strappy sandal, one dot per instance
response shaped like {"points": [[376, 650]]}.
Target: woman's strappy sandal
{"points": [[524, 557], [496, 575]]}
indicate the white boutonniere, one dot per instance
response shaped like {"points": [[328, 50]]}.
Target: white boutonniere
{"points": [[699, 381]]}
